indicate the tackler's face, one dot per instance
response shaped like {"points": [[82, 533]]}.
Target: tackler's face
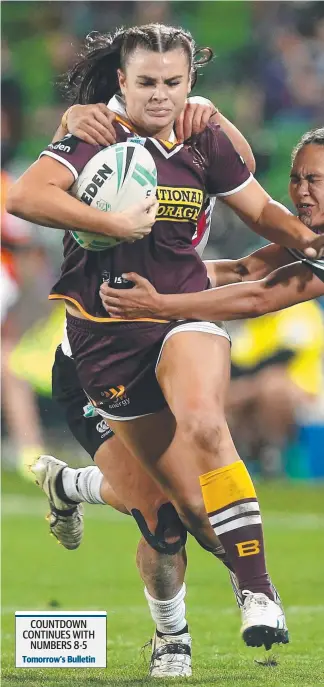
{"points": [[306, 186], [155, 87]]}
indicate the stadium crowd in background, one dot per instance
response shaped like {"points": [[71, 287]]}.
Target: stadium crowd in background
{"points": [[267, 76]]}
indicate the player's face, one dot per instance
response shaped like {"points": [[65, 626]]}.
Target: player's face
{"points": [[155, 87], [307, 186]]}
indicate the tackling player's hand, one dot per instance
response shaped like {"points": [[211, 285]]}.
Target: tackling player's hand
{"points": [[92, 123], [315, 250], [136, 222], [131, 304], [194, 117]]}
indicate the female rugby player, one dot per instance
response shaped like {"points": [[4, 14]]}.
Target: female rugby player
{"points": [[162, 569], [172, 422]]}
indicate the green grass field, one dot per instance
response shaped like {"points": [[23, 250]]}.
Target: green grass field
{"points": [[37, 574]]}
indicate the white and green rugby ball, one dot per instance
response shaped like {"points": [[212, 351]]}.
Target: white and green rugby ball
{"points": [[116, 178]]}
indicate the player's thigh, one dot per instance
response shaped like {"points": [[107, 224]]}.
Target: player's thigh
{"points": [[194, 372], [197, 400], [154, 442], [146, 437], [165, 459]]}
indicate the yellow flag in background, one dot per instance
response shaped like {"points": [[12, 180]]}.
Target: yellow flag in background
{"points": [[32, 359]]}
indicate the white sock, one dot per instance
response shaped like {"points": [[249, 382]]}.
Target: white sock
{"points": [[169, 616], [83, 484]]}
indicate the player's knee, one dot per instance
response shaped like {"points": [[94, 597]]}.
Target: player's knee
{"points": [[168, 534], [204, 429]]}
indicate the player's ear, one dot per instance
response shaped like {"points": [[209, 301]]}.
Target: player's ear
{"points": [[122, 80]]}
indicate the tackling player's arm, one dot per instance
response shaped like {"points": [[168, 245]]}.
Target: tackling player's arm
{"points": [[93, 124], [282, 288], [198, 113], [252, 267], [59, 133]]}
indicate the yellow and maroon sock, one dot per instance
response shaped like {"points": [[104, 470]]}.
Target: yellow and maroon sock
{"points": [[234, 513]]}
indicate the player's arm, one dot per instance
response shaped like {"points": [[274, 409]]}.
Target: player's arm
{"points": [[284, 287], [40, 196], [252, 267]]}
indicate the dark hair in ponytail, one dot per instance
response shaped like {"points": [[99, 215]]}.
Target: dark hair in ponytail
{"points": [[94, 78]]}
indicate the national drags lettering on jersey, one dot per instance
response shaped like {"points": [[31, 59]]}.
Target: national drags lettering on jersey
{"points": [[189, 178]]}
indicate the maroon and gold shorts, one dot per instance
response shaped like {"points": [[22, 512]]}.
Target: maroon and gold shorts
{"points": [[116, 363]]}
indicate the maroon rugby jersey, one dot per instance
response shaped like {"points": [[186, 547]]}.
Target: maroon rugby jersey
{"points": [[187, 178]]}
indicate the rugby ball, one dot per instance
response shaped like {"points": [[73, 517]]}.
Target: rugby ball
{"points": [[117, 177]]}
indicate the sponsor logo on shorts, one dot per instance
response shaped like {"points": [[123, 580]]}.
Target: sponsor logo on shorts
{"points": [[103, 428], [115, 397], [114, 392]]}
